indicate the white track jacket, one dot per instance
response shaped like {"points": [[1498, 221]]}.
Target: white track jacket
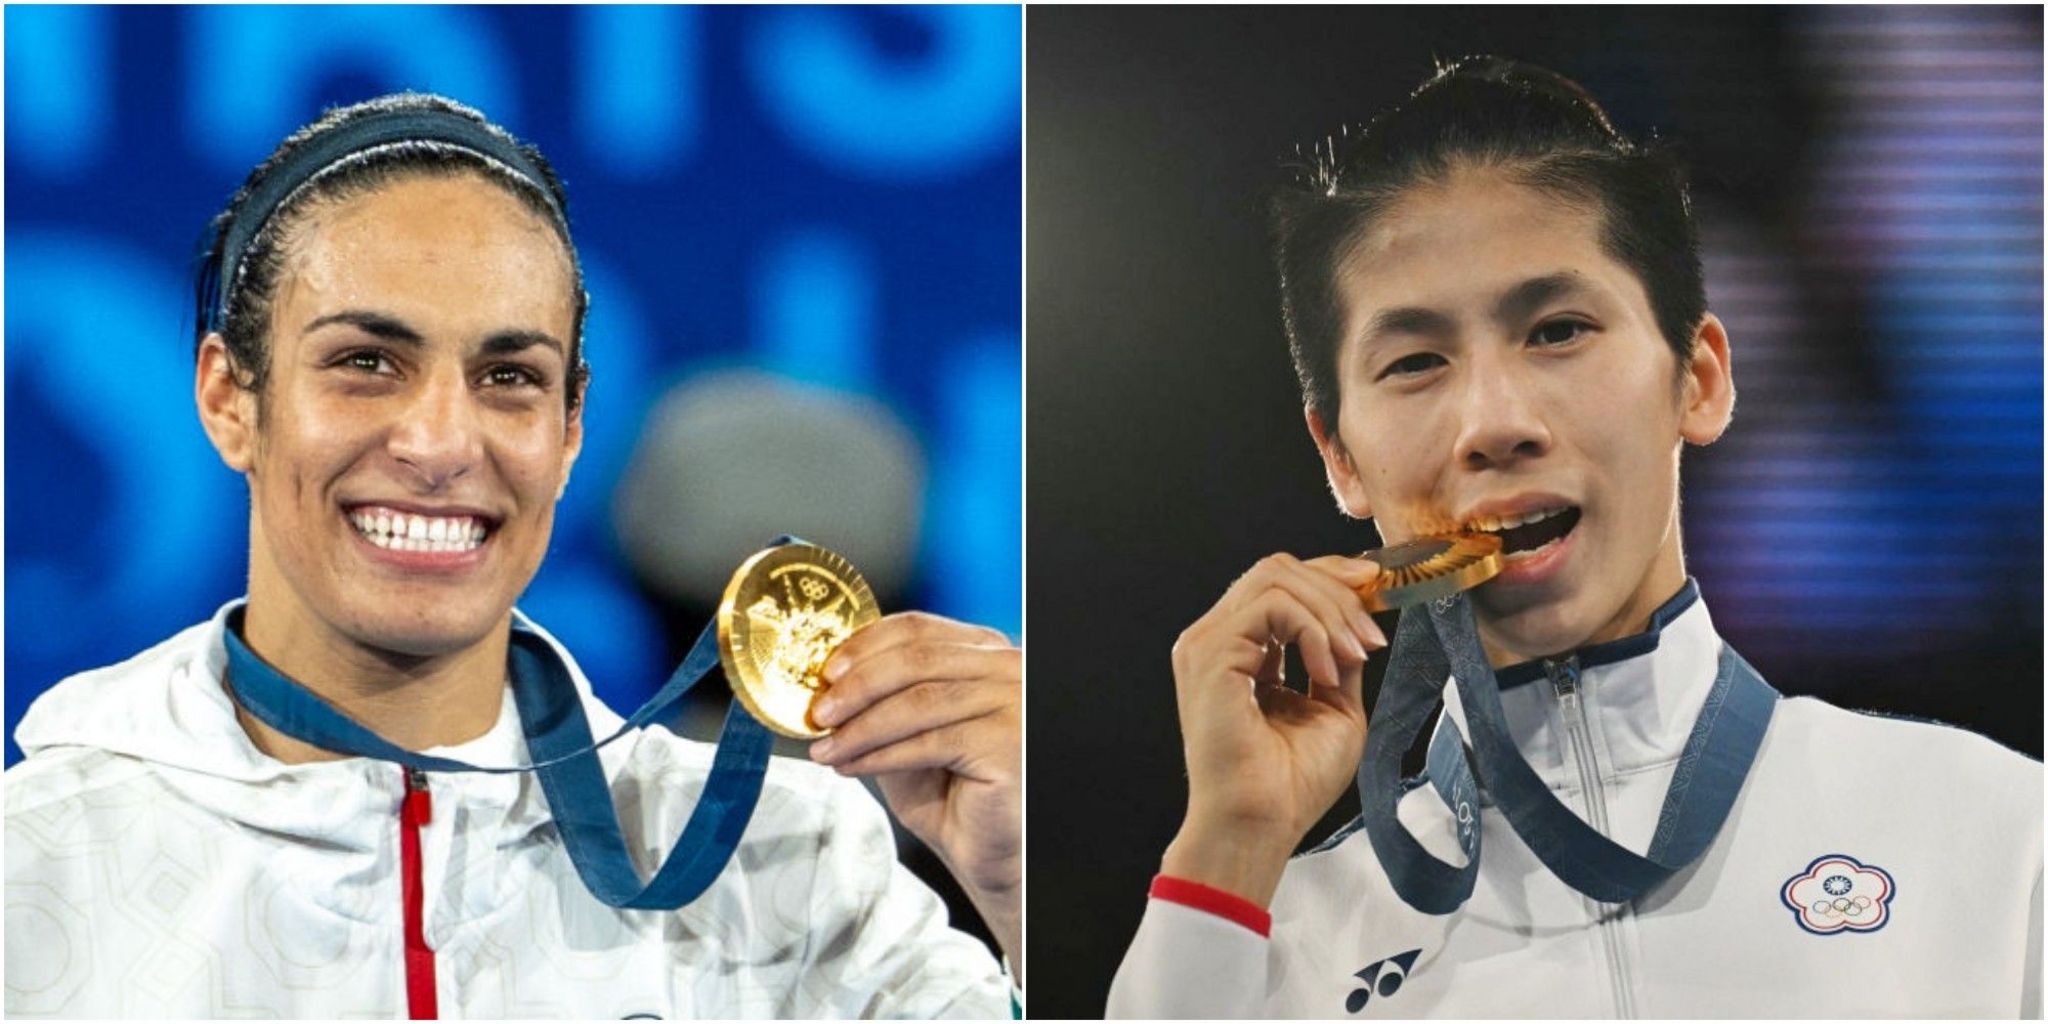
{"points": [[1870, 867], [158, 865]]}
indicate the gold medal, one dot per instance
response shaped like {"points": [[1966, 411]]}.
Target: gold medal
{"points": [[1427, 568], [784, 613]]}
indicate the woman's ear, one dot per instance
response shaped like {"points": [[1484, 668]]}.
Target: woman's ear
{"points": [[1709, 385], [226, 409], [1345, 484]]}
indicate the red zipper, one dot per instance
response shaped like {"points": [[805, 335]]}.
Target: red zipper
{"points": [[417, 810]]}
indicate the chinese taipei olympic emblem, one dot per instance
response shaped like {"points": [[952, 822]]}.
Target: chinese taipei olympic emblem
{"points": [[1839, 893]]}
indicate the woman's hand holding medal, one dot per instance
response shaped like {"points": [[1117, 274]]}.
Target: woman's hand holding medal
{"points": [[1265, 762], [934, 709]]}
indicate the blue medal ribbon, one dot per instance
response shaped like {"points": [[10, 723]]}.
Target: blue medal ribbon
{"points": [[1440, 640], [558, 739]]}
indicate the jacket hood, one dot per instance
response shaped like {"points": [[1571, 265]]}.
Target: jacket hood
{"points": [[168, 708]]}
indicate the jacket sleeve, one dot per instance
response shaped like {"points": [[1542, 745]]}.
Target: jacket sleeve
{"points": [[2030, 984], [879, 944], [1187, 963]]}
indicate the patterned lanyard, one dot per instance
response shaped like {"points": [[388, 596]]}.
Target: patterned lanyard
{"points": [[558, 738], [1442, 639]]}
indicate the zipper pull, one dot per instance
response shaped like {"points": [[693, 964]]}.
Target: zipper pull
{"points": [[1564, 675], [418, 808]]}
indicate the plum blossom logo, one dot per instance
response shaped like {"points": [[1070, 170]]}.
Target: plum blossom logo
{"points": [[1838, 893]]}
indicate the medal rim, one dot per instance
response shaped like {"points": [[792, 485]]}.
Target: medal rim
{"points": [[742, 677], [1472, 559]]}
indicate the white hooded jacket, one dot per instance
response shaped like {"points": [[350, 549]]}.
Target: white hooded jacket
{"points": [[1870, 867], [159, 865]]}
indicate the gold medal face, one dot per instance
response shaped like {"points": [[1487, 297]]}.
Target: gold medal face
{"points": [[1427, 568], [784, 613]]}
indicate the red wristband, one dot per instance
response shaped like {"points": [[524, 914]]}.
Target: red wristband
{"points": [[1229, 906]]}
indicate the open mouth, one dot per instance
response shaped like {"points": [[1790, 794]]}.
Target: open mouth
{"points": [[1526, 535], [394, 530]]}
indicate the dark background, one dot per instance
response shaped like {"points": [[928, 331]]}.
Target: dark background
{"points": [[1869, 186]]}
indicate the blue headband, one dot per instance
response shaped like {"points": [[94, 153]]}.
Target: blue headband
{"points": [[331, 148]]}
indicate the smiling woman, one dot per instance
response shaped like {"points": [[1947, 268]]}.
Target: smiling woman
{"points": [[416, 378], [389, 352], [372, 312]]}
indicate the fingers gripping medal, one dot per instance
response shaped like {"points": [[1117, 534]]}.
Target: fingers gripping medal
{"points": [[1427, 568], [784, 613]]}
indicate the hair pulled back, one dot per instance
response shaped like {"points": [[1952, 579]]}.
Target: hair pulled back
{"points": [[1539, 127], [237, 301]]}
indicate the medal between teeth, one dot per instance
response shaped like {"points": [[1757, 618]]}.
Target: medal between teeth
{"points": [[1427, 568], [785, 611]]}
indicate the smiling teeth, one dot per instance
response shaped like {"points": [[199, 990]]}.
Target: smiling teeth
{"points": [[397, 531], [1495, 524]]}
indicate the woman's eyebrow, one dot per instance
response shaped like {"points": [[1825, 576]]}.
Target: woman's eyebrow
{"points": [[391, 328], [1517, 303], [1406, 320], [516, 340], [383, 325], [1514, 305]]}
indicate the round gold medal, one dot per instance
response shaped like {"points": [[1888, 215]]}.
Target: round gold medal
{"points": [[784, 613], [1427, 568]]}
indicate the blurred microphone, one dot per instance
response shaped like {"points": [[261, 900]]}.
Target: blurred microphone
{"points": [[731, 459]]}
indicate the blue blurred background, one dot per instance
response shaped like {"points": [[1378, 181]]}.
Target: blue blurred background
{"points": [[811, 207]]}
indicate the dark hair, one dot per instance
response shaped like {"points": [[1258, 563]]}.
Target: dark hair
{"points": [[1539, 126], [236, 301]]}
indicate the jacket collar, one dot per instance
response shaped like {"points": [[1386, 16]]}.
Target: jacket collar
{"points": [[169, 709], [1638, 695]]}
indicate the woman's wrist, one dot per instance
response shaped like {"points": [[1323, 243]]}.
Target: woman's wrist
{"points": [[1237, 861]]}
